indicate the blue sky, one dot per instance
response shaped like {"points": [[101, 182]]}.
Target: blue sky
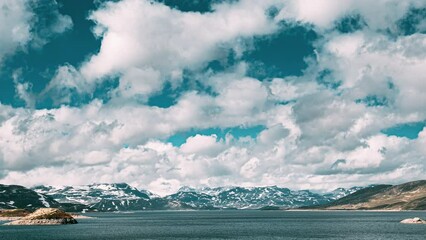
{"points": [[167, 93]]}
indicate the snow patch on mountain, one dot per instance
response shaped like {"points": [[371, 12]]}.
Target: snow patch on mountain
{"points": [[43, 200], [123, 197], [93, 193]]}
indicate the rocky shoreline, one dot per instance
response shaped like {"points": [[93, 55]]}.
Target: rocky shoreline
{"points": [[42, 222], [4, 219]]}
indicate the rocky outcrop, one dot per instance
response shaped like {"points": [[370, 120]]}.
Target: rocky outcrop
{"points": [[415, 220], [45, 216]]}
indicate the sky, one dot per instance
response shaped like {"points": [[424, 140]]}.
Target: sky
{"points": [[168, 93]]}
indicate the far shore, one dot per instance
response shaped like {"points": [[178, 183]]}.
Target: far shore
{"points": [[352, 210], [80, 216], [74, 215]]}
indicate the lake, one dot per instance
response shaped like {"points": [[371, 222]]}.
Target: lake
{"points": [[228, 224]]}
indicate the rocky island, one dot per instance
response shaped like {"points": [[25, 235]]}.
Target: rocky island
{"points": [[45, 216]]}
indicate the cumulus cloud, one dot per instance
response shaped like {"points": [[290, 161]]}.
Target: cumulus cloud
{"points": [[200, 144], [381, 14], [67, 84], [22, 26], [142, 33], [374, 65], [47, 21], [17, 32], [243, 97], [147, 43]]}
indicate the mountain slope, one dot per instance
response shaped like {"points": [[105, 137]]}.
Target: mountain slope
{"points": [[110, 197], [254, 197], [138, 205], [341, 192], [94, 193], [407, 196], [19, 197], [14, 196], [122, 197]]}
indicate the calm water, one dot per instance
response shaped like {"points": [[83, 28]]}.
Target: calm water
{"points": [[228, 225]]}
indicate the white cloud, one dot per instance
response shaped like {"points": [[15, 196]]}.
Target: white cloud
{"points": [[16, 33], [139, 83], [20, 26], [142, 38], [47, 22], [96, 157], [320, 12], [290, 88], [273, 134], [66, 83], [142, 33], [379, 14], [201, 144], [376, 62], [250, 168], [23, 89], [243, 97]]}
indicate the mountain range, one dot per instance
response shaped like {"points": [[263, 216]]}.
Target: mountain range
{"points": [[123, 197], [254, 197]]}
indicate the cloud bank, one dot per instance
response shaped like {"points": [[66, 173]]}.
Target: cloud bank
{"points": [[322, 129]]}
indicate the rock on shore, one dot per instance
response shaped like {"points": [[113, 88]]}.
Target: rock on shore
{"points": [[415, 220], [45, 216]]}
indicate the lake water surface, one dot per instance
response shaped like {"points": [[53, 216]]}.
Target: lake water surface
{"points": [[247, 224]]}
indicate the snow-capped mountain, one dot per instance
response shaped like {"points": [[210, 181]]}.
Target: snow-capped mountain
{"points": [[205, 190], [123, 197], [94, 193], [106, 197], [19, 197], [248, 198], [27, 198], [139, 204], [341, 192]]}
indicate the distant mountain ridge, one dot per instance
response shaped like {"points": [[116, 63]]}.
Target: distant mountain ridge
{"points": [[254, 197], [93, 193], [406, 196], [27, 198], [15, 196], [123, 197]]}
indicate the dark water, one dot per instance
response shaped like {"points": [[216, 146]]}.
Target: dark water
{"points": [[229, 225]]}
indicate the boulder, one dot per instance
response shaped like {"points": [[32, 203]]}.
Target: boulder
{"points": [[415, 220], [45, 216]]}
